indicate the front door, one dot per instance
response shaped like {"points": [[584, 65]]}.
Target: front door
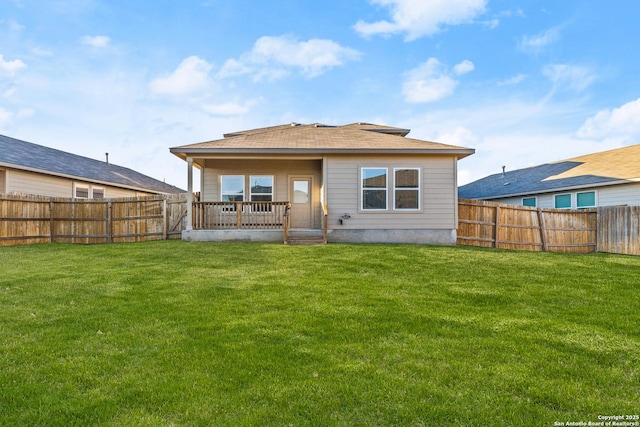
{"points": [[300, 196]]}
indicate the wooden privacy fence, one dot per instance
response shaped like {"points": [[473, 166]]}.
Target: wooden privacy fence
{"points": [[32, 219], [496, 225], [619, 230]]}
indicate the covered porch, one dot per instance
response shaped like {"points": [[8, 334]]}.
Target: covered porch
{"points": [[257, 200]]}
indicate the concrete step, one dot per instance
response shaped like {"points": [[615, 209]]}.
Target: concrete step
{"points": [[305, 237]]}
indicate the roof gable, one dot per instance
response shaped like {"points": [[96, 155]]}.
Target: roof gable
{"points": [[613, 166], [24, 155]]}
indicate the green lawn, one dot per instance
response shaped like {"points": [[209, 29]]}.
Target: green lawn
{"points": [[174, 333]]}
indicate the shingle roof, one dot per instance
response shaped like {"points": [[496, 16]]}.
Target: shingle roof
{"points": [[319, 138], [604, 168], [18, 154]]}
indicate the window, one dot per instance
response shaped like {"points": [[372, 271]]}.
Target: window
{"points": [[374, 188], [529, 201], [261, 191], [407, 189], [563, 201], [232, 189], [97, 193], [586, 199], [81, 191]]}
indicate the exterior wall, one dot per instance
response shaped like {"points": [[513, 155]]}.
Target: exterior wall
{"points": [[39, 184], [25, 182], [438, 210], [613, 195], [281, 170]]}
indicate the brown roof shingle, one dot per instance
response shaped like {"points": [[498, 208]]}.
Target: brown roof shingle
{"points": [[318, 138]]}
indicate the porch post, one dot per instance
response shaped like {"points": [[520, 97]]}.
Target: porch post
{"points": [[189, 194]]}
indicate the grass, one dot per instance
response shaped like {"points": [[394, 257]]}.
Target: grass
{"points": [[174, 333]]}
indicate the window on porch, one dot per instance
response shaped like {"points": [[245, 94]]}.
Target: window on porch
{"points": [[261, 191], [232, 189]]}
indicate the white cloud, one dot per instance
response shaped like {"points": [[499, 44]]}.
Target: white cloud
{"points": [[621, 123], [11, 67], [191, 76], [5, 116], [536, 43], [517, 79], [432, 81], [571, 77], [95, 41], [464, 67], [418, 18], [274, 57], [231, 108]]}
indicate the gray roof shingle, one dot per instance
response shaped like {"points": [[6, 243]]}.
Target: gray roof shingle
{"points": [[19, 154]]}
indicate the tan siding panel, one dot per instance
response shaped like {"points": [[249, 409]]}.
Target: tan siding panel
{"points": [[39, 184], [438, 193]]}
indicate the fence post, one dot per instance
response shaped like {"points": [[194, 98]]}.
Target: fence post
{"points": [[50, 221], [109, 222], [165, 219], [543, 231], [495, 232]]}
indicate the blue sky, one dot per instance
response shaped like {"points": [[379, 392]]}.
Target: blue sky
{"points": [[522, 82]]}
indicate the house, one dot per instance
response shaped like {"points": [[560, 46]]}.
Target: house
{"points": [[27, 168], [354, 183], [601, 179]]}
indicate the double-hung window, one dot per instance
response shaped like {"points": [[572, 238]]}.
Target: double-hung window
{"points": [[261, 191], [81, 191], [406, 188], [97, 192], [374, 188], [232, 189]]}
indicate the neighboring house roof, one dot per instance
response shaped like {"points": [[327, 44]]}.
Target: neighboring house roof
{"points": [[616, 166], [23, 155], [317, 138]]}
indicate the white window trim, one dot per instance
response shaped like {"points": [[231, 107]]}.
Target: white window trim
{"points": [[563, 194], [272, 194], [90, 189], [76, 186], [419, 188], [222, 193], [362, 189], [104, 192], [595, 199], [273, 189]]}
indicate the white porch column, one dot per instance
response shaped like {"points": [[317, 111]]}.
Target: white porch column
{"points": [[189, 194]]}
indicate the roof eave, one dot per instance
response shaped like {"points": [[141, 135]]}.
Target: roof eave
{"points": [[192, 152], [561, 189]]}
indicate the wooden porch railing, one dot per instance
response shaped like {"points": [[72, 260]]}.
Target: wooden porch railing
{"points": [[239, 215]]}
